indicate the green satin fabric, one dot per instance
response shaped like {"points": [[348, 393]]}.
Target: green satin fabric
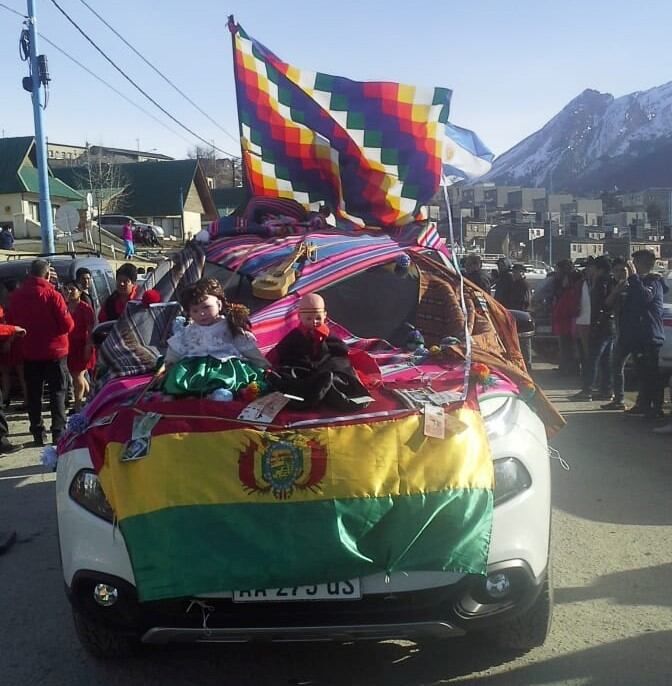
{"points": [[203, 375]]}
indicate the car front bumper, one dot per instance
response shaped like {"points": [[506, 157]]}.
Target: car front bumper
{"points": [[405, 604], [441, 612]]}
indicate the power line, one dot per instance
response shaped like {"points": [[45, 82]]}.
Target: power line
{"points": [[136, 86], [156, 70], [118, 92], [13, 11], [95, 76]]}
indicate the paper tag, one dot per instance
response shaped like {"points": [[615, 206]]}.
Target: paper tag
{"points": [[144, 423], [264, 409], [141, 437], [103, 421], [361, 400], [435, 422], [136, 449], [444, 397]]}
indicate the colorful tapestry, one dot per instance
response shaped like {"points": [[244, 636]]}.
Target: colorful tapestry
{"points": [[138, 338], [372, 150], [211, 506]]}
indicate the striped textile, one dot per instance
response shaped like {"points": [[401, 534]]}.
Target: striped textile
{"points": [[138, 339], [173, 274], [276, 206], [336, 251]]}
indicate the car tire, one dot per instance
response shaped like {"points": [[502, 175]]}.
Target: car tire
{"points": [[530, 629], [102, 642]]}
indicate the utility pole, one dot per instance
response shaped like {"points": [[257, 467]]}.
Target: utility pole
{"points": [[549, 193], [181, 200], [36, 84]]}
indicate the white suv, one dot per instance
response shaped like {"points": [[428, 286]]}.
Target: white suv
{"points": [[511, 603]]}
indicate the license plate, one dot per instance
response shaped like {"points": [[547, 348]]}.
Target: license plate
{"points": [[334, 590]]}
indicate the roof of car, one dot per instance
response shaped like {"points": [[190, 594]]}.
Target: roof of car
{"points": [[336, 254], [63, 264]]}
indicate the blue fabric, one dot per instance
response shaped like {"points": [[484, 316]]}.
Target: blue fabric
{"points": [[641, 320], [6, 240], [599, 357]]}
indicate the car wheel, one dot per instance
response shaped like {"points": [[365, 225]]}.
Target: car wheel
{"points": [[529, 629], [101, 641]]}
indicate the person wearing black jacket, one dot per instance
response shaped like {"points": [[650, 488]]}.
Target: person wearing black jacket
{"points": [[601, 335], [519, 293], [504, 281], [641, 332], [474, 272]]}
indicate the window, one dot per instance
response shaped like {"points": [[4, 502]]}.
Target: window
{"points": [[101, 287], [238, 287], [34, 211], [376, 303]]}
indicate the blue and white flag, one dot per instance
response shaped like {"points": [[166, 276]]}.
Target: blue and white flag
{"points": [[465, 156]]}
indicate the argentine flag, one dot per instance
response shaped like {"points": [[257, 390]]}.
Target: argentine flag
{"points": [[464, 155]]}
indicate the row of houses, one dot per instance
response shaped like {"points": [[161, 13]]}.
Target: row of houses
{"points": [[174, 194], [645, 215]]}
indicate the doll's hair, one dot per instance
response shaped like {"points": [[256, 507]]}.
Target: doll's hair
{"points": [[238, 316]]}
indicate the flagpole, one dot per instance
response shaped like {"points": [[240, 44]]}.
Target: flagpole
{"points": [[233, 28], [463, 304]]}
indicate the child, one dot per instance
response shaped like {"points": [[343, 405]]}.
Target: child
{"points": [[216, 350], [314, 365], [81, 356]]}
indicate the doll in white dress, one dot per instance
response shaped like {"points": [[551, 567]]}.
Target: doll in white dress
{"points": [[216, 350]]}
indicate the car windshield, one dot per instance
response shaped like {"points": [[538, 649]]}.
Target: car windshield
{"points": [[238, 287], [374, 303]]}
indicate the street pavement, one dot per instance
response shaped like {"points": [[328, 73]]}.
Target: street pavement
{"points": [[612, 561]]}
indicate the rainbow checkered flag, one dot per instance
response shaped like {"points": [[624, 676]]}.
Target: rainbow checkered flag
{"points": [[373, 150]]}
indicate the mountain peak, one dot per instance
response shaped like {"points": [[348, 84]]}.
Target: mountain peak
{"points": [[596, 141]]}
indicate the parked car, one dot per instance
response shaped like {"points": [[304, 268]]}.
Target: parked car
{"points": [[666, 350], [114, 223], [14, 271], [511, 604]]}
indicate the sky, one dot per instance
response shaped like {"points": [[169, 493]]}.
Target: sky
{"points": [[511, 65]]}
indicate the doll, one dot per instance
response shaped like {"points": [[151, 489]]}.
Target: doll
{"points": [[216, 350], [313, 364]]}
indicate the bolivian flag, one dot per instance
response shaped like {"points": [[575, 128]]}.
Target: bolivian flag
{"points": [[215, 507]]}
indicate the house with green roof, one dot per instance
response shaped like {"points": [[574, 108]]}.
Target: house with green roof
{"points": [[172, 194], [19, 188], [228, 200]]}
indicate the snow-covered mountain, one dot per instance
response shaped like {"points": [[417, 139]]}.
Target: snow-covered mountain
{"points": [[597, 142]]}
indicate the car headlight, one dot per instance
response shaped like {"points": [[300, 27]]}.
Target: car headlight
{"points": [[511, 478], [86, 491]]}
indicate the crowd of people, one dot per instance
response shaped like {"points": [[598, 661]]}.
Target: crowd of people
{"points": [[507, 282], [46, 338], [605, 315]]}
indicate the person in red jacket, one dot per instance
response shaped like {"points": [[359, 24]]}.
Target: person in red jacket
{"points": [[40, 309], [7, 331], [81, 356]]}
